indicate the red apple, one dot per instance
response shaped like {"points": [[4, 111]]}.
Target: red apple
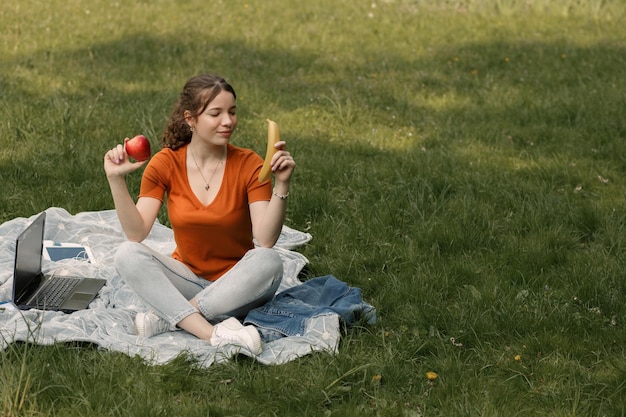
{"points": [[138, 148]]}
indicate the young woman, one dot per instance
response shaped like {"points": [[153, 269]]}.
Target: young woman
{"points": [[216, 207]]}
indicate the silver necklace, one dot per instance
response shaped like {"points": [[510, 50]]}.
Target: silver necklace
{"points": [[221, 161]]}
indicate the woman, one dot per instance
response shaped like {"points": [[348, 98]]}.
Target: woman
{"points": [[216, 207]]}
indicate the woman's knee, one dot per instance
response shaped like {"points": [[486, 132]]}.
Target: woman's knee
{"points": [[127, 251], [129, 256], [268, 262]]}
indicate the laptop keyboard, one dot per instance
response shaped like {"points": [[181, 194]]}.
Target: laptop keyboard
{"points": [[54, 292]]}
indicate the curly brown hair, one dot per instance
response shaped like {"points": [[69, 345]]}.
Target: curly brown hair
{"points": [[197, 93]]}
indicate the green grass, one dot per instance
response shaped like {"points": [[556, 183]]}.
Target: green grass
{"points": [[461, 162]]}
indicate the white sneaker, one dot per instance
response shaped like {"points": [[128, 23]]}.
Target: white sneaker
{"points": [[149, 324], [232, 332]]}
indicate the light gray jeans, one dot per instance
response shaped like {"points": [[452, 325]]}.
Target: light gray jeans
{"points": [[167, 285]]}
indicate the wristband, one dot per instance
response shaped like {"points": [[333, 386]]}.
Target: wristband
{"points": [[281, 196]]}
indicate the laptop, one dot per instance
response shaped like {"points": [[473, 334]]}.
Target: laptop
{"points": [[33, 289]]}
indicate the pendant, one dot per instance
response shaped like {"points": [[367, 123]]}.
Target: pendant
{"points": [[206, 187]]}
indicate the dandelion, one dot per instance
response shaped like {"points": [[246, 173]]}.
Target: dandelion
{"points": [[517, 358], [431, 376], [506, 59], [377, 378]]}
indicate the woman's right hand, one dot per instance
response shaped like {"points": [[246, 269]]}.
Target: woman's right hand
{"points": [[118, 164]]}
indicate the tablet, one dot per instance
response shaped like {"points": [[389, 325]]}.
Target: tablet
{"points": [[56, 251]]}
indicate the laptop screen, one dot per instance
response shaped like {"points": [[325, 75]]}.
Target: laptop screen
{"points": [[27, 273]]}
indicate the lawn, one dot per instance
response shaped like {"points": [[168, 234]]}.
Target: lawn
{"points": [[462, 162]]}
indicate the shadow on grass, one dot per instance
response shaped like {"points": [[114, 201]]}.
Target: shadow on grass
{"points": [[527, 108]]}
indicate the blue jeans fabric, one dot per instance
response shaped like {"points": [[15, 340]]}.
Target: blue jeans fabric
{"points": [[288, 312], [166, 285]]}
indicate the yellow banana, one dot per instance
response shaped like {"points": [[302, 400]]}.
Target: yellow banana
{"points": [[273, 136]]}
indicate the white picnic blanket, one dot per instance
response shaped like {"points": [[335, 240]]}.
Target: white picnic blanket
{"points": [[109, 322]]}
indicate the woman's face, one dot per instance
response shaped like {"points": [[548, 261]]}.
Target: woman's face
{"points": [[217, 122]]}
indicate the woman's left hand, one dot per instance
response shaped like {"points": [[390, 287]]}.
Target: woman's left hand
{"points": [[282, 163]]}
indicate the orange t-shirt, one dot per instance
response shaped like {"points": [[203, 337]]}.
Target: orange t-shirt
{"points": [[209, 239]]}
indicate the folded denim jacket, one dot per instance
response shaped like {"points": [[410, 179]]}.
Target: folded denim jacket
{"points": [[288, 312]]}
